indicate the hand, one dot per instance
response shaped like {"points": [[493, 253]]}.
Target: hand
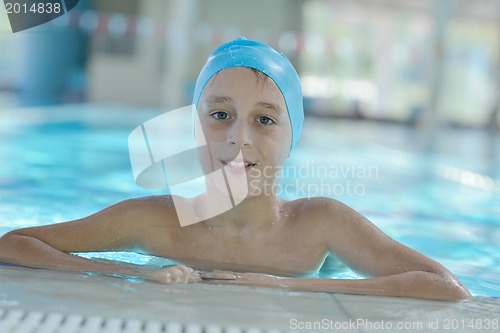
{"points": [[174, 275], [245, 279]]}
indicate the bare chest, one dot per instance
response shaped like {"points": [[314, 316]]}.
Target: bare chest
{"points": [[271, 253]]}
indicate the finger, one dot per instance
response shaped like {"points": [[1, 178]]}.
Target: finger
{"points": [[178, 270], [217, 281], [194, 277], [183, 274], [185, 269], [219, 275], [226, 282]]}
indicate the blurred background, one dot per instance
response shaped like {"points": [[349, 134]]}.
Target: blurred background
{"points": [[426, 62]]}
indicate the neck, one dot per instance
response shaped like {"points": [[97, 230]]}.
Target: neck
{"points": [[252, 214]]}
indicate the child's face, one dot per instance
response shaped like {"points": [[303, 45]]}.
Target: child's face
{"points": [[241, 110]]}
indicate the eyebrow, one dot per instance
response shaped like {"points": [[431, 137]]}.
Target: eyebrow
{"points": [[271, 106], [223, 99], [218, 99]]}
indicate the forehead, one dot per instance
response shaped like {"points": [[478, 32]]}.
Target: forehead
{"points": [[245, 82]]}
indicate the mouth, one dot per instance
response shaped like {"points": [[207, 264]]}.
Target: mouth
{"points": [[238, 166]]}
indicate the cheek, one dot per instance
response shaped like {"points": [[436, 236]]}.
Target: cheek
{"points": [[205, 159], [276, 151], [282, 154], [206, 143], [212, 131], [279, 140]]}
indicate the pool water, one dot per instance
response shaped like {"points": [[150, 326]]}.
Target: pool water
{"points": [[437, 192]]}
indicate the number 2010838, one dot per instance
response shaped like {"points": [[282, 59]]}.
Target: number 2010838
{"points": [[35, 8]]}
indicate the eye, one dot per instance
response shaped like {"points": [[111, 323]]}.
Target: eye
{"points": [[220, 115], [264, 120]]}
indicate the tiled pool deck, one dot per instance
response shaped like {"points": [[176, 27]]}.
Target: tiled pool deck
{"points": [[34, 300]]}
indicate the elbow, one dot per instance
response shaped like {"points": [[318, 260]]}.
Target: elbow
{"points": [[12, 237], [14, 245], [8, 246], [452, 289], [459, 292], [438, 286], [7, 238], [9, 235], [464, 294]]}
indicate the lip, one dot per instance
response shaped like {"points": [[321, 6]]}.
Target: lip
{"points": [[230, 166]]}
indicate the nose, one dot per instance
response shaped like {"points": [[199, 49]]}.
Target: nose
{"points": [[239, 134]]}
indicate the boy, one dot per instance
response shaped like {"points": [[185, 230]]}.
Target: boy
{"points": [[249, 106]]}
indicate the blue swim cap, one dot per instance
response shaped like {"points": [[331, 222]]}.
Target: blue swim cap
{"points": [[243, 52]]}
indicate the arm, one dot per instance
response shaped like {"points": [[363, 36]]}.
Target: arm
{"points": [[120, 227], [395, 269], [411, 284]]}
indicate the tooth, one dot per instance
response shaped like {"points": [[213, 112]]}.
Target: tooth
{"points": [[237, 164]]}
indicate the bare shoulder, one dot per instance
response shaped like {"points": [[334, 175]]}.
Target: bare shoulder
{"points": [[136, 213], [323, 210], [335, 218], [153, 217], [318, 218], [153, 220], [153, 209], [330, 221]]}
